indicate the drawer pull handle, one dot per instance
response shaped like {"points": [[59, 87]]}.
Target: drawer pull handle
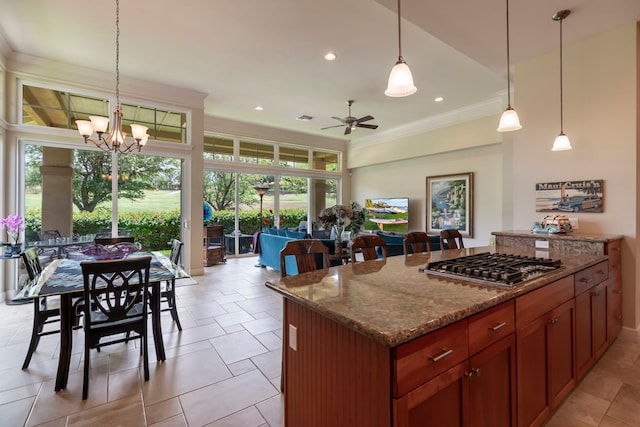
{"points": [[552, 321], [600, 272], [615, 292], [498, 326], [584, 280], [595, 294], [441, 356]]}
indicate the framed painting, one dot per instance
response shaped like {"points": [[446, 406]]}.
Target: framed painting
{"points": [[450, 203]]}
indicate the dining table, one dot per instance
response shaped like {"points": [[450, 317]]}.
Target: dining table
{"points": [[63, 277]]}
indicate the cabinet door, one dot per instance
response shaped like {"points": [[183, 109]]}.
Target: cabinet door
{"points": [[599, 318], [562, 372], [492, 394], [533, 403], [584, 343], [437, 403], [614, 310]]}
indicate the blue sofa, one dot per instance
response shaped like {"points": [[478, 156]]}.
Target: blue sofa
{"points": [[395, 242], [272, 243]]}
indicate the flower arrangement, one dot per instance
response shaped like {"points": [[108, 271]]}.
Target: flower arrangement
{"points": [[14, 225], [349, 217]]}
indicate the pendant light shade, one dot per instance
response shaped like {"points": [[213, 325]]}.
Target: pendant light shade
{"points": [[509, 120], [400, 80], [561, 143]]}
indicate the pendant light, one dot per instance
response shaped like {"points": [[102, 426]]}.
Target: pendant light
{"points": [[561, 142], [509, 120], [400, 79]]}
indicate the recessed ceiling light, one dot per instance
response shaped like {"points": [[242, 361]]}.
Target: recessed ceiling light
{"points": [[330, 56], [439, 99], [258, 108]]}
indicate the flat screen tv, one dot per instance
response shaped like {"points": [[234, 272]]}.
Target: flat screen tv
{"points": [[387, 214]]}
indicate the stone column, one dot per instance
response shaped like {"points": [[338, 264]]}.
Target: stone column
{"points": [[57, 190]]}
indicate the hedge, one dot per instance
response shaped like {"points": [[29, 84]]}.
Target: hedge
{"points": [[155, 230]]}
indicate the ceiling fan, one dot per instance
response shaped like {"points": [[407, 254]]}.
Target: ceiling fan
{"points": [[351, 122]]}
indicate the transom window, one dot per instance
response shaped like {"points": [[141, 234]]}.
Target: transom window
{"points": [[58, 109]]}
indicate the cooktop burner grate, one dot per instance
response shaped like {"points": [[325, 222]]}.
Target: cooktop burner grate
{"points": [[493, 268]]}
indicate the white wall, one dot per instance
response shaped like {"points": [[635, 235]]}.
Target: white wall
{"points": [[601, 119], [407, 177]]}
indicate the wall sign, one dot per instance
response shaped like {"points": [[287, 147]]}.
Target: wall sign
{"points": [[570, 196]]}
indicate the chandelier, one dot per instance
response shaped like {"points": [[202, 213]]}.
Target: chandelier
{"points": [[115, 140]]}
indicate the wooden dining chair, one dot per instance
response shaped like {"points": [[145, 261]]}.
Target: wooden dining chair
{"points": [[42, 313], [168, 294], [107, 241], [307, 253], [416, 242], [369, 245], [117, 293], [451, 239]]}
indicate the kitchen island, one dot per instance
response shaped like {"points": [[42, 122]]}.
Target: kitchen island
{"points": [[382, 343]]}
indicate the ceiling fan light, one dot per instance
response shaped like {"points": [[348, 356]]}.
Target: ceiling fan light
{"points": [[400, 81], [561, 143], [509, 121]]}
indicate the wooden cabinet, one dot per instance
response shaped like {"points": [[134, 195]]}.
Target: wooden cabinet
{"points": [[213, 245], [591, 315], [545, 347], [478, 391]]}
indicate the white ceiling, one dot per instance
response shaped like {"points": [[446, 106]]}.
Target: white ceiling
{"points": [[244, 53]]}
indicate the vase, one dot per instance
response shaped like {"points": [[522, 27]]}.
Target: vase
{"points": [[10, 250]]}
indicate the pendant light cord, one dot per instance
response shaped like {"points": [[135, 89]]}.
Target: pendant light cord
{"points": [[561, 98], [399, 36], [508, 63]]}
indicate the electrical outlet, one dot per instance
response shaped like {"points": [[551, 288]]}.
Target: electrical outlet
{"points": [[293, 337], [542, 244], [574, 222]]}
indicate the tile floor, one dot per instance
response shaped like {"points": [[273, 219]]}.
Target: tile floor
{"points": [[223, 369]]}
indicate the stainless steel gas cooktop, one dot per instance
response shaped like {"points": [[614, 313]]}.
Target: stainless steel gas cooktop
{"points": [[493, 268]]}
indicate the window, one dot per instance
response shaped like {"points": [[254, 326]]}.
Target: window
{"points": [[218, 148], [292, 157], [326, 161], [163, 125], [58, 109], [256, 152]]}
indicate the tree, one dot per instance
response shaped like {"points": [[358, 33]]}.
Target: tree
{"points": [[219, 190], [92, 177]]}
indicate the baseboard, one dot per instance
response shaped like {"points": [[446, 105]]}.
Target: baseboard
{"points": [[629, 334]]}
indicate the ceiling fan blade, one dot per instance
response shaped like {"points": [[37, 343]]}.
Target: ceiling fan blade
{"points": [[360, 125], [339, 118], [329, 127], [365, 119], [347, 130]]}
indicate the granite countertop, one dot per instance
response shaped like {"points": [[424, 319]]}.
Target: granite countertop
{"points": [[391, 301], [572, 235]]}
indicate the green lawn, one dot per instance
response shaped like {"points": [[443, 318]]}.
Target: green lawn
{"points": [[154, 200]]}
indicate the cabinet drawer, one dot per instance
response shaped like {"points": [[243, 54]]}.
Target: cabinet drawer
{"points": [[534, 304], [422, 359], [490, 326], [591, 276]]}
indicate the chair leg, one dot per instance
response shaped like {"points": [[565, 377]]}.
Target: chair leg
{"points": [[145, 355], [171, 298], [35, 333], [85, 380]]}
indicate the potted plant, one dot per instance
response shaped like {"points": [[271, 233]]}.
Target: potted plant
{"points": [[14, 225]]}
